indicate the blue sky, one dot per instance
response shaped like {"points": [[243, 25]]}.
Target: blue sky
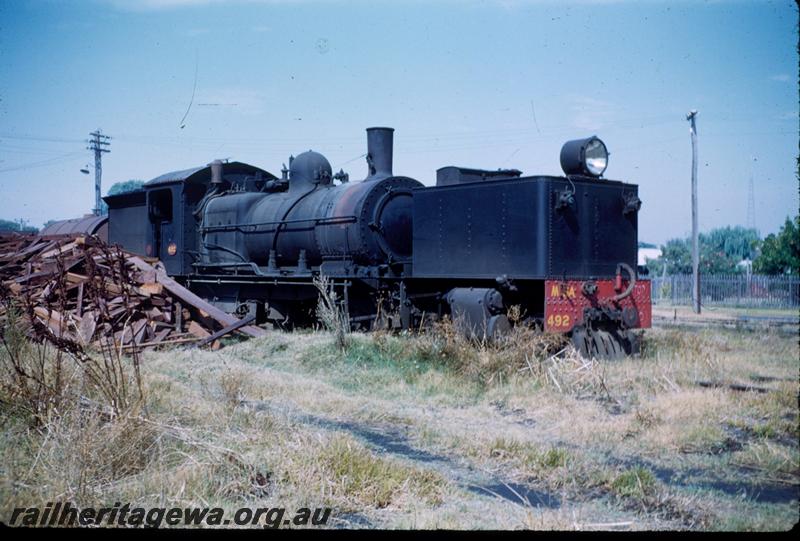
{"points": [[475, 83]]}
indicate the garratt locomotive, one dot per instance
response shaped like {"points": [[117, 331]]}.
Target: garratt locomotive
{"points": [[561, 248]]}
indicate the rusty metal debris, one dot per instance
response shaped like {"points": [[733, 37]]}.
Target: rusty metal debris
{"points": [[80, 292]]}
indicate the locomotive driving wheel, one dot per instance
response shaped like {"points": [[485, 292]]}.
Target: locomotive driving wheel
{"points": [[582, 342], [612, 347], [599, 344]]}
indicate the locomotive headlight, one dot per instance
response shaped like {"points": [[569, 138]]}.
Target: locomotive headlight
{"points": [[584, 157], [596, 156]]}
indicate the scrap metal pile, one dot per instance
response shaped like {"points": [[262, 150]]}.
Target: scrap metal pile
{"points": [[78, 291]]}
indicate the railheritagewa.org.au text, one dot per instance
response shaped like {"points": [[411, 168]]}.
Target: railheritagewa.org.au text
{"points": [[67, 514]]}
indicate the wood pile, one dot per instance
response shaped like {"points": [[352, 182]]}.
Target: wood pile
{"points": [[84, 292]]}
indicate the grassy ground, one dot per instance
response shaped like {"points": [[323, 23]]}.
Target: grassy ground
{"points": [[430, 432]]}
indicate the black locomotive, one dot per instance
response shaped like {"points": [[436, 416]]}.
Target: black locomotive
{"points": [[562, 249]]}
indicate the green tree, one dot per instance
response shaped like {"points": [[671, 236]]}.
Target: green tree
{"points": [[677, 255], [124, 187], [18, 225], [714, 260], [118, 188], [734, 242], [780, 254], [721, 250]]}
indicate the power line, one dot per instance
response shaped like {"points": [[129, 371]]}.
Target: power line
{"points": [[410, 137], [642, 122], [194, 88], [45, 138], [42, 163], [14, 149]]}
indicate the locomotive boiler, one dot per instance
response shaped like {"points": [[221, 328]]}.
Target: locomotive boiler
{"points": [[308, 214], [401, 254]]}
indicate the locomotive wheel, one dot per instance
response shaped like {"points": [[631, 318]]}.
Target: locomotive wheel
{"points": [[595, 350], [582, 342], [615, 347], [606, 346], [633, 343], [619, 344], [599, 345]]}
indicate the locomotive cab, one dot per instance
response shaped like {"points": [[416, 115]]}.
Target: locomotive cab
{"points": [[162, 242], [160, 220]]}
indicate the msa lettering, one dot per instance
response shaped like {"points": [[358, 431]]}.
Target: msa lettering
{"points": [[557, 291]]}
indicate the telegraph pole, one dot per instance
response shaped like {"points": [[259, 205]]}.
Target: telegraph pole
{"points": [[97, 144], [695, 245]]}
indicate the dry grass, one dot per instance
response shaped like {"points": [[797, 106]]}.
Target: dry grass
{"points": [[690, 420], [41, 378], [771, 461], [345, 472], [297, 420], [233, 386], [487, 361], [331, 311]]}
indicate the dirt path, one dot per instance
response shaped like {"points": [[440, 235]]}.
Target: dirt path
{"points": [[681, 316], [393, 440]]}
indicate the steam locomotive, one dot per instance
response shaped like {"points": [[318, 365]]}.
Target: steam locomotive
{"points": [[399, 254]]}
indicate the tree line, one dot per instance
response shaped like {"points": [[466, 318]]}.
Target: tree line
{"points": [[723, 249]]}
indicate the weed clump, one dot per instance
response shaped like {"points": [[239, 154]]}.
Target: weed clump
{"points": [[347, 471], [78, 455], [233, 385], [40, 375], [33, 380], [487, 361], [332, 311], [637, 483], [529, 457]]}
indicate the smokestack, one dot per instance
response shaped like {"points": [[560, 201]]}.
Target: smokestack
{"points": [[379, 152], [216, 172]]}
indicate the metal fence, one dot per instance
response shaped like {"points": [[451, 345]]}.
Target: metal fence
{"points": [[735, 290]]}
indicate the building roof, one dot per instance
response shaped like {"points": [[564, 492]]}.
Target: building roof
{"points": [[203, 173], [88, 225]]}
